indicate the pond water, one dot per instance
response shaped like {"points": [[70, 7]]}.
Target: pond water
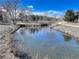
{"points": [[46, 43]]}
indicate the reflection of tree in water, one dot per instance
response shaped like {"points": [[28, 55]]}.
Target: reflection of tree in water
{"points": [[22, 31], [21, 55], [67, 37], [32, 30], [77, 41], [15, 49]]}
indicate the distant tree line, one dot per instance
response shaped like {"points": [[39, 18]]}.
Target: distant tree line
{"points": [[23, 17], [4, 18], [71, 16]]}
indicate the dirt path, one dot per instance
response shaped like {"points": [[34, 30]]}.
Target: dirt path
{"points": [[70, 25]]}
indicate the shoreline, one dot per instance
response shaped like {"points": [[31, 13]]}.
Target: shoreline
{"points": [[69, 28], [5, 38]]}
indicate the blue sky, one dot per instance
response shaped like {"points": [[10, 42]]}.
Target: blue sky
{"points": [[55, 6], [59, 5]]}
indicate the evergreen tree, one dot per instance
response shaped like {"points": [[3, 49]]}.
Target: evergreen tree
{"points": [[69, 16]]}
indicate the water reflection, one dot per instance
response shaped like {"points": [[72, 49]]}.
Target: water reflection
{"points": [[47, 43], [67, 37]]}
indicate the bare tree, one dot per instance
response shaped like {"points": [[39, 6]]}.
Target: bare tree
{"points": [[11, 8]]}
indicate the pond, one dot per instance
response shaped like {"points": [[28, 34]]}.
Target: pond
{"points": [[46, 43]]}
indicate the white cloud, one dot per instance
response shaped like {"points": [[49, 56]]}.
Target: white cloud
{"points": [[50, 13], [38, 13], [30, 6], [57, 14]]}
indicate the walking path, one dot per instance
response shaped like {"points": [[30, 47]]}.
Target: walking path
{"points": [[70, 28], [70, 25]]}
